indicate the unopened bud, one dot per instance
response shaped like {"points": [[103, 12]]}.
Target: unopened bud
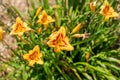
{"points": [[93, 6], [76, 29]]}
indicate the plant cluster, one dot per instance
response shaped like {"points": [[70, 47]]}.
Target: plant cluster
{"points": [[71, 40]]}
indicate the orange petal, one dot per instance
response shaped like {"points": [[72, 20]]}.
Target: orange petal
{"points": [[40, 62], [106, 18], [26, 56], [50, 43], [114, 14], [36, 48], [31, 63], [62, 30], [1, 33], [68, 47], [57, 49]]}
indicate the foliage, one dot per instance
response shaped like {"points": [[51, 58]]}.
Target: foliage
{"points": [[96, 57]]}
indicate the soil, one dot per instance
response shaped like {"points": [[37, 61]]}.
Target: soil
{"points": [[22, 5]]}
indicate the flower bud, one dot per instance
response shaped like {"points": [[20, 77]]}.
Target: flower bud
{"points": [[38, 11], [93, 6], [76, 29], [40, 30]]}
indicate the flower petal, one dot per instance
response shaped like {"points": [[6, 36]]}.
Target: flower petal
{"points": [[57, 49], [40, 62], [31, 63], [106, 18], [26, 56], [1, 33], [62, 30], [36, 48], [67, 46]]}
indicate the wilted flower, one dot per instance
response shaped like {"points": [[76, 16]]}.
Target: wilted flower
{"points": [[1, 33], [19, 27], [59, 41], [93, 6], [56, 6], [107, 11], [45, 19], [34, 56], [81, 35], [76, 29]]}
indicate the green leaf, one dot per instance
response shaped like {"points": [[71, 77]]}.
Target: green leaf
{"points": [[88, 77], [113, 60], [47, 69], [46, 4]]}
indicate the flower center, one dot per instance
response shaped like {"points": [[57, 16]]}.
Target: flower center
{"points": [[19, 27], [34, 56], [44, 18], [106, 9], [59, 40]]}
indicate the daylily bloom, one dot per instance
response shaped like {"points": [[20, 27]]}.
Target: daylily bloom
{"points": [[107, 11], [93, 6], [1, 33], [34, 56], [45, 19], [81, 35], [76, 29], [19, 27], [59, 41]]}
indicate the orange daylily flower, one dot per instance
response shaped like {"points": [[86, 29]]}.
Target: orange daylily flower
{"points": [[34, 56], [19, 27], [76, 29], [59, 41], [1, 33], [93, 6], [45, 19], [107, 11]]}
